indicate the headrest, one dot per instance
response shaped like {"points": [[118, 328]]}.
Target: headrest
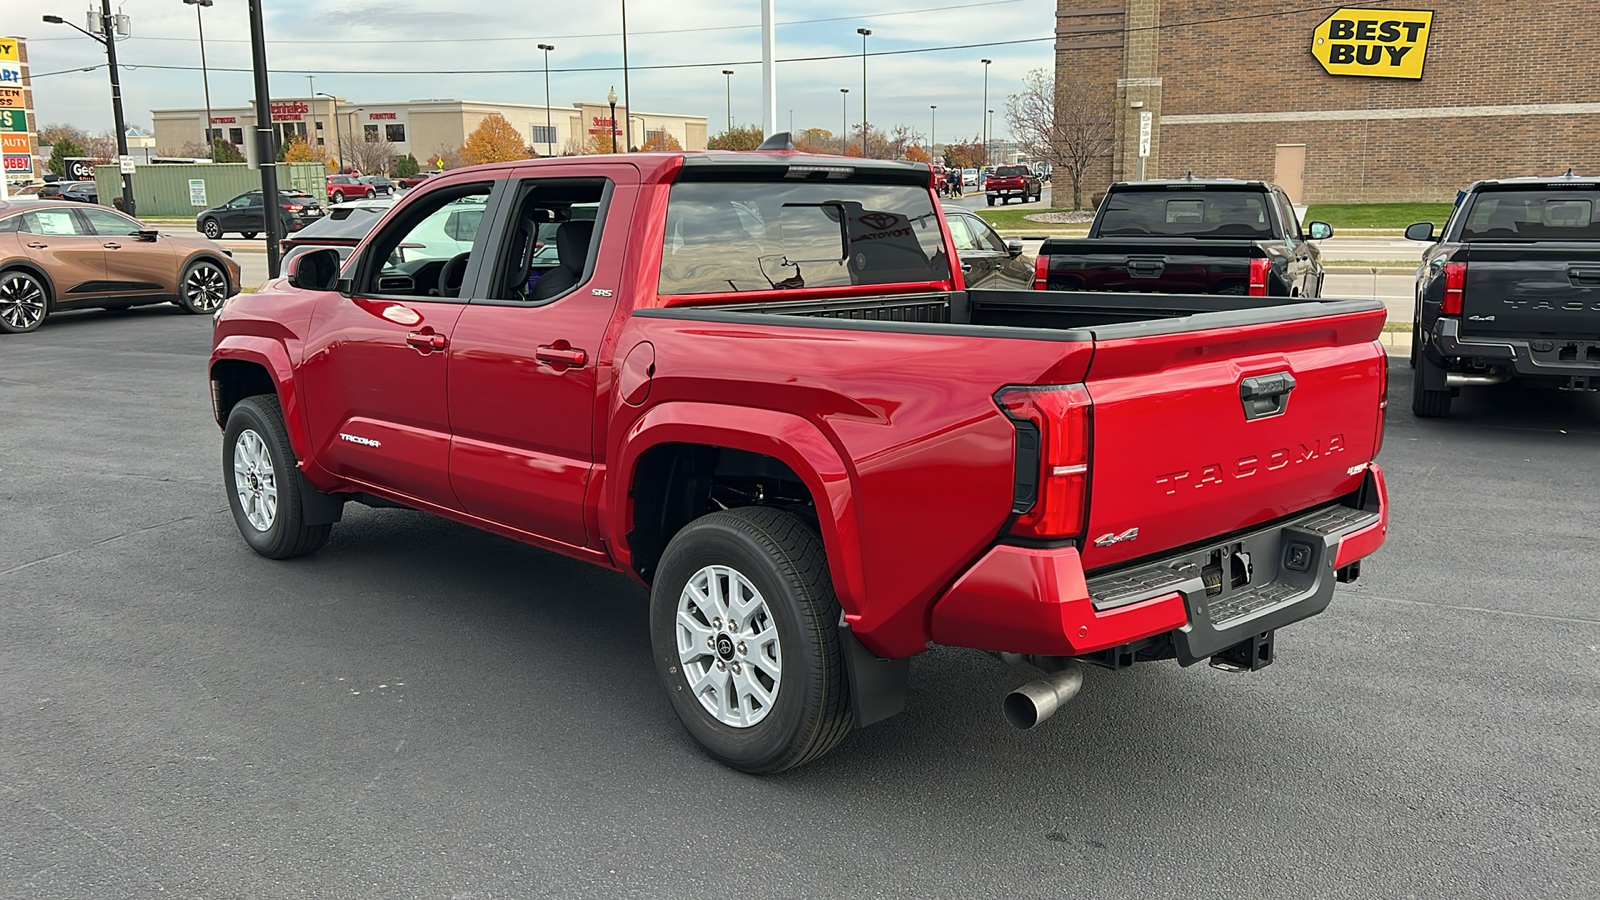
{"points": [[572, 243]]}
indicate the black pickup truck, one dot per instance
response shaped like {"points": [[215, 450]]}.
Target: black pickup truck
{"points": [[1509, 289], [1189, 236]]}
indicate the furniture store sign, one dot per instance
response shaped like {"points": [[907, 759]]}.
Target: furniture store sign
{"points": [[1374, 43]]}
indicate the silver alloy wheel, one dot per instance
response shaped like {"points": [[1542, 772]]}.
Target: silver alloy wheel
{"points": [[213, 229], [255, 480], [205, 287], [728, 646], [22, 302]]}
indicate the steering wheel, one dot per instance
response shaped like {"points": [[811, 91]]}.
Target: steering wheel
{"points": [[453, 273]]}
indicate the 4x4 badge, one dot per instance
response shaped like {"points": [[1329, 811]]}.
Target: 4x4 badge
{"points": [[1106, 540]]}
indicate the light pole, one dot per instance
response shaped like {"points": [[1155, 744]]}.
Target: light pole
{"points": [[863, 32], [933, 123], [611, 98], [338, 139], [549, 126], [643, 134], [108, 37], [985, 123], [205, 77], [627, 98], [989, 130], [844, 121], [727, 80], [271, 225]]}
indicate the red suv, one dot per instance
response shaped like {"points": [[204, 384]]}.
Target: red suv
{"points": [[348, 187]]}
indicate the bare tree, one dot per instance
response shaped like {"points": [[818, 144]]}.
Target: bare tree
{"points": [[371, 157], [1065, 122]]}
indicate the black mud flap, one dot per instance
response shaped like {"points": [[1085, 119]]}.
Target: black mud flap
{"points": [[877, 685]]}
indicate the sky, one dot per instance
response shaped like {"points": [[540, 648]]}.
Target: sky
{"points": [[335, 39]]}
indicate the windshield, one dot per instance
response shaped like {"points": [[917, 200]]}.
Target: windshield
{"points": [[1187, 213], [775, 236], [348, 220], [1541, 214]]}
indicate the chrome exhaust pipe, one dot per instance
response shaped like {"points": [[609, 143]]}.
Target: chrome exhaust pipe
{"points": [[1036, 701], [1462, 379]]}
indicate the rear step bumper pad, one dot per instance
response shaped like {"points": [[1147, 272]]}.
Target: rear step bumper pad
{"points": [[1037, 600], [1559, 357]]}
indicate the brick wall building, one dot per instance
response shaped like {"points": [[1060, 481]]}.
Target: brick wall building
{"points": [[1234, 90]]}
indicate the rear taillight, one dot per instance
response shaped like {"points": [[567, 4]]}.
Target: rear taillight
{"points": [[1051, 492], [1258, 276], [1383, 404], [293, 207], [1455, 288], [1041, 273]]}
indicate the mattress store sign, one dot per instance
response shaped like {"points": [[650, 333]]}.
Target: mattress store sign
{"points": [[1375, 43]]}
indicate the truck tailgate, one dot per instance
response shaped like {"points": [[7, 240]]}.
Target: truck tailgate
{"points": [[1531, 288], [1175, 266], [1201, 433]]}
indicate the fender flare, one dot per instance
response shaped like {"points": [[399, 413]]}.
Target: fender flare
{"points": [[274, 357], [788, 438]]}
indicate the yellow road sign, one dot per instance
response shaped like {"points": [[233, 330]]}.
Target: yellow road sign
{"points": [[1376, 43]]}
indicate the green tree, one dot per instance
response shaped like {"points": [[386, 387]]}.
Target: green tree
{"points": [[226, 152], [406, 166], [63, 148], [740, 137]]}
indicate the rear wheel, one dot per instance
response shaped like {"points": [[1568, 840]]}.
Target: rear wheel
{"points": [[24, 302], [203, 288], [990, 199], [259, 469], [1426, 404], [371, 193], [211, 228], [247, 235], [744, 625]]}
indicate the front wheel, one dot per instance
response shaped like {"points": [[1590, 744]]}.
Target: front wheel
{"points": [[261, 474], [744, 625], [203, 288]]}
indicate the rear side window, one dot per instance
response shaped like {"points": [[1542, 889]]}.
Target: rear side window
{"points": [[1197, 214], [739, 236], [1532, 215]]}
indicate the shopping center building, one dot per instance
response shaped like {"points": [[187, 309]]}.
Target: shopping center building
{"points": [[425, 127], [1385, 101]]}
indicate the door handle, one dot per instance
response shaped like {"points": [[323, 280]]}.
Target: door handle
{"points": [[564, 356], [966, 267], [1265, 396], [112, 245], [427, 341], [37, 245], [1578, 276]]}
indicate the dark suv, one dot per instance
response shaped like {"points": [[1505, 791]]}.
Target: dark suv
{"points": [[243, 214]]}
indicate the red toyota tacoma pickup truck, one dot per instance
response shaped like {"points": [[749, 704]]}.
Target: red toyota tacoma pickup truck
{"points": [[755, 382]]}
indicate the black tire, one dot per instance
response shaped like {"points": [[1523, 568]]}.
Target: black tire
{"points": [[202, 288], [247, 235], [784, 560], [211, 228], [287, 535], [991, 200], [24, 301], [371, 193], [1426, 404]]}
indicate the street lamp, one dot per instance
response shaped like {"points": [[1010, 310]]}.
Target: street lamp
{"points": [[205, 77], [611, 98], [989, 131], [108, 37], [984, 123], [549, 127], [728, 83], [863, 32], [844, 121], [338, 138]]}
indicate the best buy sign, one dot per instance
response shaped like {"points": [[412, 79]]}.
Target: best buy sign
{"points": [[1377, 43]]}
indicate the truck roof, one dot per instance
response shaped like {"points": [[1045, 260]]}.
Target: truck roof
{"points": [[1567, 180], [657, 164], [1194, 182]]}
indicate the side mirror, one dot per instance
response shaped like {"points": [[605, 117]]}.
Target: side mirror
{"points": [[1319, 230], [316, 271], [147, 234], [1013, 248], [1422, 231]]}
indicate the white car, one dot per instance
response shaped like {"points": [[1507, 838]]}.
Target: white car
{"points": [[969, 177]]}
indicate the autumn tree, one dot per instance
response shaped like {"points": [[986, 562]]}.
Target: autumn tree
{"points": [[660, 140], [816, 140], [450, 158], [915, 153], [298, 151], [578, 145], [494, 140], [965, 154], [739, 137], [1067, 123]]}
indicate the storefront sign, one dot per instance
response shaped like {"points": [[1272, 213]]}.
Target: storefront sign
{"points": [[290, 111], [10, 98], [383, 115], [1375, 43], [13, 120], [8, 50], [22, 164], [224, 120], [14, 143], [79, 168], [10, 74]]}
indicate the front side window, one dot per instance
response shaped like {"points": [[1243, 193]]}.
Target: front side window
{"points": [[767, 236], [425, 252]]}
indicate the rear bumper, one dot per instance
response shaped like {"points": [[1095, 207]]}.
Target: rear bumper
{"points": [[1038, 601], [1542, 357]]}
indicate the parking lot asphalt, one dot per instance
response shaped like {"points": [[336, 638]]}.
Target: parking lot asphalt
{"points": [[423, 710]]}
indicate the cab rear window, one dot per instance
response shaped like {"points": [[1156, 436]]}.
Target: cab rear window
{"points": [[1187, 213], [1540, 215], [737, 236]]}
